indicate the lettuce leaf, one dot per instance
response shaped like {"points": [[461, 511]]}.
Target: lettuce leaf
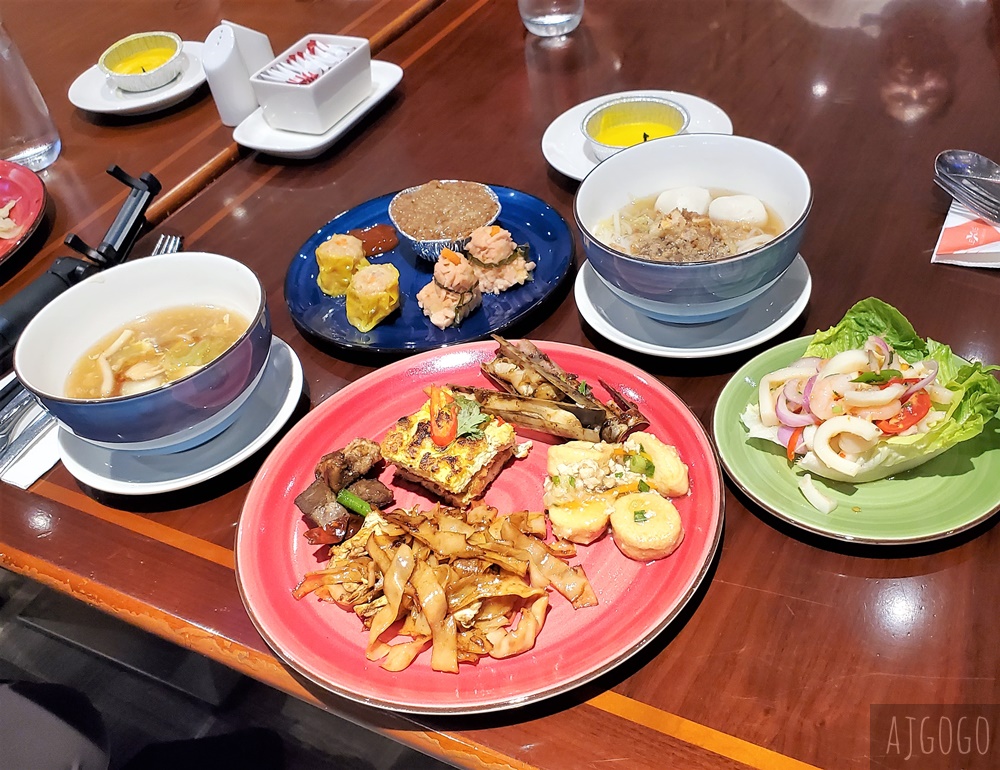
{"points": [[976, 390], [869, 316]]}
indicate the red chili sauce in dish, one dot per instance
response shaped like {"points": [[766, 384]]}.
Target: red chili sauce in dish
{"points": [[376, 239]]}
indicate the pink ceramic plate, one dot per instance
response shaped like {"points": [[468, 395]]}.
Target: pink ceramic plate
{"points": [[24, 185], [327, 644]]}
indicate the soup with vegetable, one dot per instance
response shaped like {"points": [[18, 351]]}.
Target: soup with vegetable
{"points": [[690, 224], [154, 350]]}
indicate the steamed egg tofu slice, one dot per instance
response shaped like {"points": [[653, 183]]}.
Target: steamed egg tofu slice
{"points": [[670, 474], [693, 199], [745, 209], [646, 526], [580, 522]]}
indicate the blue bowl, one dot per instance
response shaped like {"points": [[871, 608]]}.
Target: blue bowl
{"points": [[694, 292], [183, 412]]}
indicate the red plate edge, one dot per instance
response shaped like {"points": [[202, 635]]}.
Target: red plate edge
{"points": [[29, 185], [325, 643]]}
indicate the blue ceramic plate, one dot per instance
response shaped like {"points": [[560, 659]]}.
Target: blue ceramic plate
{"points": [[529, 219]]}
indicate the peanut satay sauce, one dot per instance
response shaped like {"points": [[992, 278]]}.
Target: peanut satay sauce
{"points": [[376, 239]]}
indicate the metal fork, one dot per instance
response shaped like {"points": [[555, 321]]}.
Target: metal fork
{"points": [[167, 244], [11, 417]]}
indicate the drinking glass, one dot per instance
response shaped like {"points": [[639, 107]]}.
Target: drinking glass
{"points": [[27, 134], [550, 18]]}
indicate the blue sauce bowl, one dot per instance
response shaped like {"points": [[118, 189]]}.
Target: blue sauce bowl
{"points": [[180, 414]]}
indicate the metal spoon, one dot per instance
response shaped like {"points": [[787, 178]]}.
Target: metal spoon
{"points": [[971, 169], [976, 202]]}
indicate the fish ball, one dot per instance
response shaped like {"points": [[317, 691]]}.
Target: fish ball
{"points": [[693, 199], [745, 209]]}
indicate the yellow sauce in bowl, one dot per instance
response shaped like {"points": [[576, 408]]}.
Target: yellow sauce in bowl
{"points": [[143, 61], [627, 134]]}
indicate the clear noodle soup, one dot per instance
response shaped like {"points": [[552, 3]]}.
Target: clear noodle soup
{"points": [[679, 235], [154, 350]]}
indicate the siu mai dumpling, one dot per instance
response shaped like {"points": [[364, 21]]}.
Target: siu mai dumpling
{"points": [[372, 295], [339, 258]]}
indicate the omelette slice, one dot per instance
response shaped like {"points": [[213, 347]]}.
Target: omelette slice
{"points": [[459, 472]]}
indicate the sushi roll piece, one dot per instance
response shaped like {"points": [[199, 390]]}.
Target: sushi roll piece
{"points": [[499, 263], [453, 293]]}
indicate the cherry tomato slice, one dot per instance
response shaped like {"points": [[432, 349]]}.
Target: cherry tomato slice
{"points": [[913, 411], [898, 381]]}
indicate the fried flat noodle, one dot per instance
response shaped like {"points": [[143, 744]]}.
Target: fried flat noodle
{"points": [[469, 583]]}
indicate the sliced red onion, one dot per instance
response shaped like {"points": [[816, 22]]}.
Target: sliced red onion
{"points": [[806, 393], [792, 395], [882, 345], [932, 367], [787, 417], [785, 435]]}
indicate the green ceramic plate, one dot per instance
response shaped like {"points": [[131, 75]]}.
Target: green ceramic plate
{"points": [[951, 493]]}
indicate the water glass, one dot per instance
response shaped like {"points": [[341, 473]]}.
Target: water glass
{"points": [[550, 18], [27, 134]]}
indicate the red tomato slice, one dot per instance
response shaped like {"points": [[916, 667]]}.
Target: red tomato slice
{"points": [[898, 381], [913, 411]]}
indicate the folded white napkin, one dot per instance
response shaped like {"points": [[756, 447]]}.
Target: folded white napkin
{"points": [[967, 240], [34, 463]]}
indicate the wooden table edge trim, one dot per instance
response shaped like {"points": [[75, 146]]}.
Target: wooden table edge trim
{"points": [[260, 666], [695, 734], [268, 669], [139, 523]]}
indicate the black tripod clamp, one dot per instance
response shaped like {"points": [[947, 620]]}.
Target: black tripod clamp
{"points": [[68, 271]]}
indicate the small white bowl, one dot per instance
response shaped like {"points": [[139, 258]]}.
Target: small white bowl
{"points": [[313, 108], [136, 45], [629, 110]]}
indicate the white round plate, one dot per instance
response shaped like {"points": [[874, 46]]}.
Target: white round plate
{"points": [[132, 473], [92, 92], [764, 318], [566, 149], [255, 133]]}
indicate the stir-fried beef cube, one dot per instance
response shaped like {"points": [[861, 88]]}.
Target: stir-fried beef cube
{"points": [[341, 468], [373, 492], [315, 495]]}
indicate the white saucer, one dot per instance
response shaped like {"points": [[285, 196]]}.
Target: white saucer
{"points": [[565, 147], [92, 92], [255, 133], [131, 473], [764, 318]]}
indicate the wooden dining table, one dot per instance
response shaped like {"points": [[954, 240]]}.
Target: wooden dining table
{"points": [[184, 145], [796, 646]]}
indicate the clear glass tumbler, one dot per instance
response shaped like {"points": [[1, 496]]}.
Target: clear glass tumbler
{"points": [[27, 134], [550, 18]]}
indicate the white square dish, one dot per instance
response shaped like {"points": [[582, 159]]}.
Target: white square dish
{"points": [[313, 107]]}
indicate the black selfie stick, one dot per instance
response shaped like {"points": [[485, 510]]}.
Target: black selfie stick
{"points": [[16, 312]]}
